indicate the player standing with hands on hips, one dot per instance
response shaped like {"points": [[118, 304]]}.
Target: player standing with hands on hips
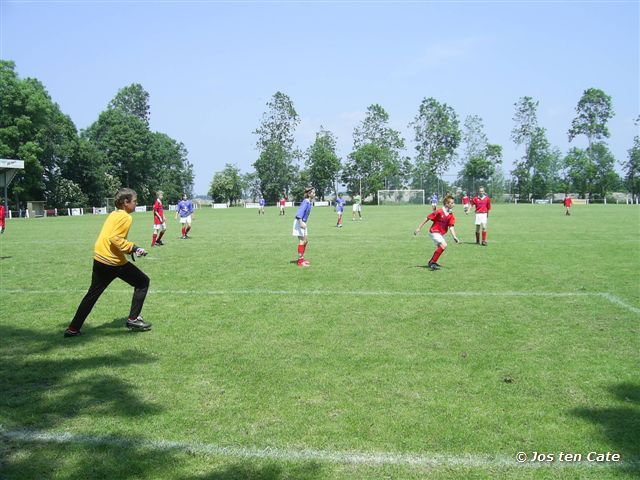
{"points": [[300, 224], [109, 263], [483, 204], [443, 220], [185, 211]]}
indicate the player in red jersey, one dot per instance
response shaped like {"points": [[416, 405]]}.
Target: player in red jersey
{"points": [[465, 203], [483, 204], [2, 215], [443, 220], [567, 205], [159, 223]]}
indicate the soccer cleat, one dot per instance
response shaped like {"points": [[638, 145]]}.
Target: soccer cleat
{"points": [[159, 242], [187, 237], [303, 263], [71, 333], [138, 325], [433, 266], [484, 244]]}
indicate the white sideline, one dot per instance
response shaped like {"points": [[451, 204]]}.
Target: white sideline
{"points": [[379, 293], [287, 454]]}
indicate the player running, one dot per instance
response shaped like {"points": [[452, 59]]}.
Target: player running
{"points": [[339, 209], [482, 203], [185, 211], [300, 224], [443, 220]]}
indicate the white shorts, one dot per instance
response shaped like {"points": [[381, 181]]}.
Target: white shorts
{"points": [[186, 219], [339, 212], [160, 226], [466, 208], [281, 207], [297, 231], [481, 219], [357, 207], [437, 238]]}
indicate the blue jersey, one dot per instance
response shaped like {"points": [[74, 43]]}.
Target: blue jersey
{"points": [[340, 204], [434, 199], [185, 208], [304, 210], [262, 202]]}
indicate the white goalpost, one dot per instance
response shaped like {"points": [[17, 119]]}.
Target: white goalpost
{"points": [[400, 197]]}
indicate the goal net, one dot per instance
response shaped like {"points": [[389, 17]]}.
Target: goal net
{"points": [[400, 197]]}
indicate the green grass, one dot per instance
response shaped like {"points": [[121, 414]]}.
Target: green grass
{"points": [[364, 352]]}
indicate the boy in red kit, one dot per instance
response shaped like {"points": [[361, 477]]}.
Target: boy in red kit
{"points": [[159, 224], [2, 215], [465, 203], [443, 220], [483, 204], [567, 205]]}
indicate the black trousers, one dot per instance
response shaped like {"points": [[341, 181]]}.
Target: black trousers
{"points": [[101, 277]]}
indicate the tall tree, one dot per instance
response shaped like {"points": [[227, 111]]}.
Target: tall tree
{"points": [[274, 166], [580, 171], [523, 132], [593, 112], [481, 158], [323, 163], [437, 135], [170, 169], [133, 100], [632, 166], [227, 185], [374, 136]]}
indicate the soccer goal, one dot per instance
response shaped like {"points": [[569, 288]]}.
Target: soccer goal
{"points": [[400, 197]]}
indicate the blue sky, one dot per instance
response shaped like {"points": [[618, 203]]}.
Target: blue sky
{"points": [[211, 67]]}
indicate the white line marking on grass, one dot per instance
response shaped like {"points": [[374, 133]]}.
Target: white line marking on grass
{"points": [[288, 455], [376, 293]]}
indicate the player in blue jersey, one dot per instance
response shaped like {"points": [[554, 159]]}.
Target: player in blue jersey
{"points": [[185, 211], [339, 209], [261, 203], [434, 201], [300, 224]]}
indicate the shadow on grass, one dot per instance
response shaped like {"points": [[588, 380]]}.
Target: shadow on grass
{"points": [[620, 425]]}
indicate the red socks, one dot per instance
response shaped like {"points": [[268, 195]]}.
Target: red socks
{"points": [[484, 235], [436, 254], [184, 231], [301, 250], [153, 242]]}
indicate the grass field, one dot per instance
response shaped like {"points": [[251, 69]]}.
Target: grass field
{"points": [[365, 365]]}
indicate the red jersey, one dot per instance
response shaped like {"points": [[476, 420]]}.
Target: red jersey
{"points": [[158, 212], [282, 202], [2, 213], [442, 221], [483, 205], [568, 202], [465, 200]]}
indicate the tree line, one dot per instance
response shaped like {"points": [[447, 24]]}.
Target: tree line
{"points": [[378, 160], [70, 168]]}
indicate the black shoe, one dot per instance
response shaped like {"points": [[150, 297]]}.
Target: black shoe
{"points": [[187, 237], [138, 325], [71, 333], [159, 242], [433, 266]]}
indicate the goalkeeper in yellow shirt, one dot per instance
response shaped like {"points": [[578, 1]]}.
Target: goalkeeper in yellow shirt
{"points": [[109, 263]]}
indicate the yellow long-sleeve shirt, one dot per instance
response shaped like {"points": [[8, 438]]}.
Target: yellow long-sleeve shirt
{"points": [[112, 243]]}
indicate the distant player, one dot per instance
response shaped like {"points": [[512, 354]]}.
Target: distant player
{"points": [[567, 205], [434, 201], [261, 204], [2, 216], [357, 207], [340, 209], [465, 203], [159, 223], [443, 220], [300, 224], [482, 203], [185, 211], [283, 203], [109, 263]]}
